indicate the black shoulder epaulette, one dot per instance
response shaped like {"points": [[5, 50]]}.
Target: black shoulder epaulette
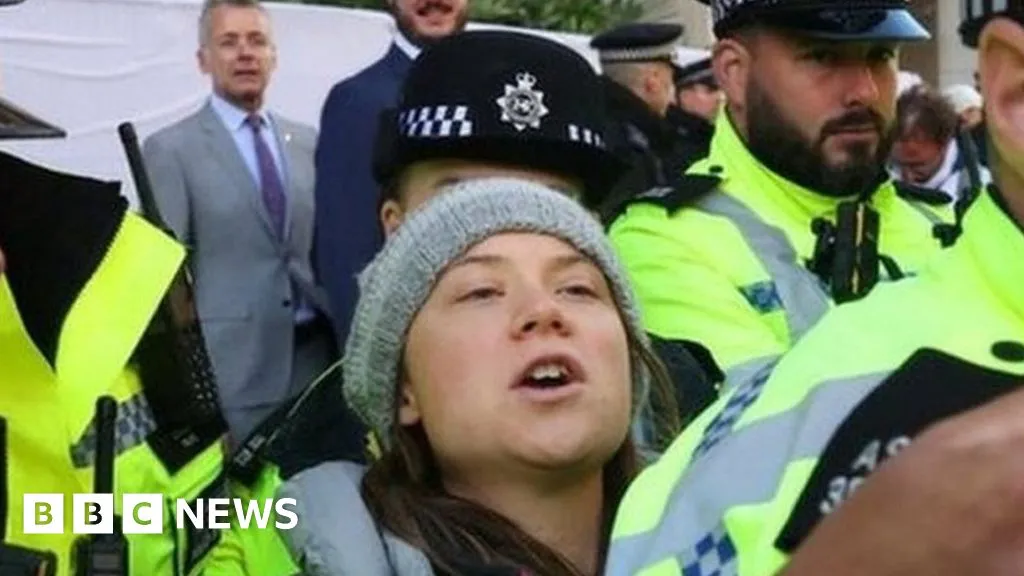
{"points": [[250, 457], [913, 193], [687, 189], [315, 427]]}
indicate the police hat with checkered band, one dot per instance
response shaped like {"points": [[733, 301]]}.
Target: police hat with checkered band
{"points": [[16, 123], [839, 20], [638, 42], [693, 73], [501, 97], [976, 13]]}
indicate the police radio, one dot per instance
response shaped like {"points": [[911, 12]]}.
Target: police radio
{"points": [[103, 554], [172, 360], [846, 255]]}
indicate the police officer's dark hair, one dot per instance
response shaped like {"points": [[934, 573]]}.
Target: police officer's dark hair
{"points": [[922, 108]]}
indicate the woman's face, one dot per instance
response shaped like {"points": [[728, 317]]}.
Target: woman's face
{"points": [[518, 362]]}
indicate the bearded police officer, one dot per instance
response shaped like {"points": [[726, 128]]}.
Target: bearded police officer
{"points": [[81, 282], [791, 211], [866, 452]]}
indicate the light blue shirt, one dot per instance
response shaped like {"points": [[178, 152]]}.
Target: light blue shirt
{"points": [[234, 118]]}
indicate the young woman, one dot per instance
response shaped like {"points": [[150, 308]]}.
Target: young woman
{"points": [[497, 354]]}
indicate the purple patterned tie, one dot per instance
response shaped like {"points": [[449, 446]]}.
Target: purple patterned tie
{"points": [[270, 179]]}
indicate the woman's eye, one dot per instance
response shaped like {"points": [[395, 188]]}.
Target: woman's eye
{"points": [[480, 294], [580, 290]]}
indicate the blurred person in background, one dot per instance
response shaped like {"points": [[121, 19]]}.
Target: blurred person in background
{"points": [[927, 150], [347, 235], [234, 182], [698, 101], [637, 64], [497, 354], [969, 105]]}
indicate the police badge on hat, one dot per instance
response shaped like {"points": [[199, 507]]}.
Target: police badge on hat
{"points": [[521, 105]]}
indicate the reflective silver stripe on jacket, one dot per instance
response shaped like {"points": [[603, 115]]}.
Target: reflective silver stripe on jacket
{"points": [[134, 423], [744, 467], [803, 299]]}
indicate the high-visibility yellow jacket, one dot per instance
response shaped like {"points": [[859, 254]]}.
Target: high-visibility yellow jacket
{"points": [[75, 303], [727, 269], [743, 486]]}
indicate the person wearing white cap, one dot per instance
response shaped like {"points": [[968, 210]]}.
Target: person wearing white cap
{"points": [[967, 104]]}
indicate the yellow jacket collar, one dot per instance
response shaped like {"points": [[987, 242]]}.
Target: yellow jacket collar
{"points": [[995, 245], [746, 178]]}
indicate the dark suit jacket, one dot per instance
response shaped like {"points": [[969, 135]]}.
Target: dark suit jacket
{"points": [[347, 231]]}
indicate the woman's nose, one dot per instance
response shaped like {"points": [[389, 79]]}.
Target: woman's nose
{"points": [[541, 314]]}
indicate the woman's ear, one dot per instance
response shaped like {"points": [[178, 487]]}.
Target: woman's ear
{"points": [[391, 216], [1001, 75], [731, 63], [408, 407]]}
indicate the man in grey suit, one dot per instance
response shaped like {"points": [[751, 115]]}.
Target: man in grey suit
{"points": [[235, 183]]}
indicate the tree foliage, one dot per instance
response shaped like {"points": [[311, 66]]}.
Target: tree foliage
{"points": [[583, 16]]}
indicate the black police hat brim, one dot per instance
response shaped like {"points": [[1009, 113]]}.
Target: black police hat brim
{"points": [[18, 124], [837, 24], [598, 170]]}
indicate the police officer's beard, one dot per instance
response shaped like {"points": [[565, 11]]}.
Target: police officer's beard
{"points": [[780, 146]]}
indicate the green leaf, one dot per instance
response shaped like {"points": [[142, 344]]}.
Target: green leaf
{"points": [[580, 16]]}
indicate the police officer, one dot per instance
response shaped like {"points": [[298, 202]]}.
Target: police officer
{"points": [[698, 100], [850, 460], [639, 88], [81, 280], [791, 211]]}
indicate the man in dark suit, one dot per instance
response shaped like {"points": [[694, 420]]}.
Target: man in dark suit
{"points": [[347, 235], [235, 183]]}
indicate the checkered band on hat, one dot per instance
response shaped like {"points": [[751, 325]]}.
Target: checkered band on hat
{"points": [[436, 122], [974, 9], [976, 13], [585, 135], [645, 54]]}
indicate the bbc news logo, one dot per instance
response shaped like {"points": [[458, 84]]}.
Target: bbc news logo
{"points": [[144, 513]]}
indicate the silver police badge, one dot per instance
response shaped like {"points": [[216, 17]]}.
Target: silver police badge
{"points": [[521, 105]]}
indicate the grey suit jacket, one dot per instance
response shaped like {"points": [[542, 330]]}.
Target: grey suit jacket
{"points": [[243, 273]]}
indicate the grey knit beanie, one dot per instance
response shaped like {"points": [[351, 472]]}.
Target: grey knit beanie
{"points": [[399, 280]]}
